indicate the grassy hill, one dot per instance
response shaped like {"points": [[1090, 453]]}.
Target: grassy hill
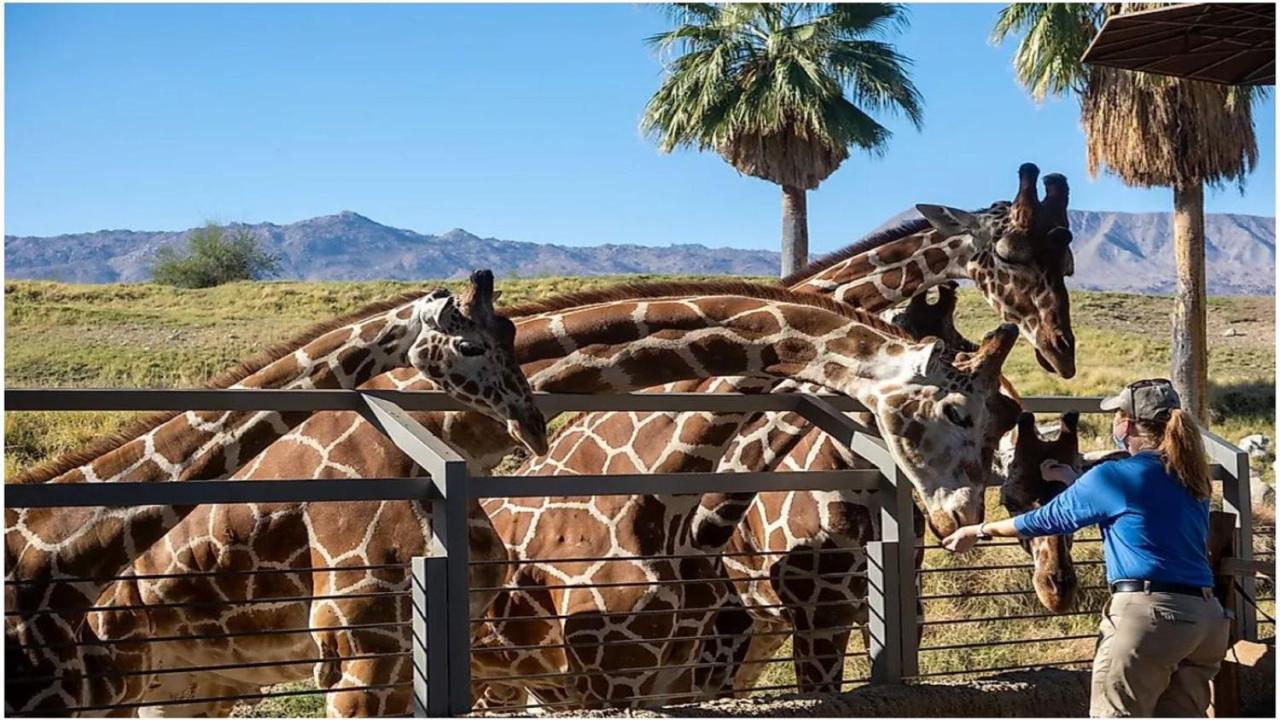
{"points": [[149, 336]]}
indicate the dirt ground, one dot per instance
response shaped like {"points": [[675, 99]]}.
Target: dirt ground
{"points": [[1046, 692]]}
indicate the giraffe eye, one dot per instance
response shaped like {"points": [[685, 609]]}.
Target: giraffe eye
{"points": [[954, 415], [470, 349]]}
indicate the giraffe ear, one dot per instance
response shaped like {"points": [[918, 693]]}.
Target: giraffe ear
{"points": [[952, 221], [439, 310], [1069, 424], [930, 356]]}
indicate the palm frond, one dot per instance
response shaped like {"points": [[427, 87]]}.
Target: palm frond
{"points": [[1055, 35], [783, 91]]}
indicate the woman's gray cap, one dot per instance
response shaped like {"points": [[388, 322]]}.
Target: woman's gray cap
{"points": [[1149, 400]]}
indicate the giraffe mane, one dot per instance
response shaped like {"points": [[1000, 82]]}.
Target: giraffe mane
{"points": [[647, 290], [72, 459], [676, 288], [870, 242]]}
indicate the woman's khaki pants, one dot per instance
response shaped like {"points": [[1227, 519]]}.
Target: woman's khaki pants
{"points": [[1157, 654]]}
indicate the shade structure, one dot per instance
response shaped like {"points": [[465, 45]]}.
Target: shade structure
{"points": [[1228, 43]]}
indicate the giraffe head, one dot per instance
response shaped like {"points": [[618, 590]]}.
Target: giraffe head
{"points": [[1023, 258], [1025, 489], [938, 424], [921, 318], [469, 349]]}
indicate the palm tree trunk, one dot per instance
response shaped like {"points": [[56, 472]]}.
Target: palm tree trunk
{"points": [[795, 229], [1190, 348]]}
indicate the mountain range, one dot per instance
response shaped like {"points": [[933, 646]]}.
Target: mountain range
{"points": [[1130, 252]]}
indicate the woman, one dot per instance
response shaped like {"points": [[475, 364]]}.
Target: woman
{"points": [[1163, 633]]}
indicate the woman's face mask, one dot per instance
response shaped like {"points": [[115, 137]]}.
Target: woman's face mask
{"points": [[1119, 432]]}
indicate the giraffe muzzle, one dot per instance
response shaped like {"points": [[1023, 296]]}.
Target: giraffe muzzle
{"points": [[1057, 354], [529, 428]]}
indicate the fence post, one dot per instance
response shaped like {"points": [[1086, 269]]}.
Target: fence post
{"points": [[440, 601], [1222, 546], [1237, 499], [891, 585], [453, 507], [430, 672], [440, 580]]}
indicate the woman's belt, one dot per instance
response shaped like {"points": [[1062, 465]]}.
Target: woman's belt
{"points": [[1120, 586]]}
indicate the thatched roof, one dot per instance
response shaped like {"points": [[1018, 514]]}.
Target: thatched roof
{"points": [[1158, 131]]}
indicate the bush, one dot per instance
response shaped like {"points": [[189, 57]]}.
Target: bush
{"points": [[213, 257]]}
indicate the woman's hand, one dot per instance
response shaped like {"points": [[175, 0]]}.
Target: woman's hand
{"points": [[963, 539], [1054, 471]]}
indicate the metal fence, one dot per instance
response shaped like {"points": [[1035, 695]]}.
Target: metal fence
{"points": [[440, 631]]}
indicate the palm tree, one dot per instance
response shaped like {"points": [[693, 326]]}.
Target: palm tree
{"points": [[1149, 131], [776, 89]]}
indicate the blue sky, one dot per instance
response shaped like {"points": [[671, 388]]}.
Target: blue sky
{"points": [[512, 121]]}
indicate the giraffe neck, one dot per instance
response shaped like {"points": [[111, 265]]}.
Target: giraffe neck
{"points": [[886, 275], [43, 545], [871, 281], [636, 344]]}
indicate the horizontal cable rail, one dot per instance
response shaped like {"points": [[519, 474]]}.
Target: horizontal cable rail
{"points": [[981, 568], [804, 552], [628, 672], [640, 613], [670, 697], [211, 573], [316, 400], [214, 636], [995, 643], [642, 641], [993, 618], [720, 580], [200, 668], [224, 698], [1000, 593], [1010, 543], [211, 603], [1006, 668]]}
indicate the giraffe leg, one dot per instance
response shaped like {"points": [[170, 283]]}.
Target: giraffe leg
{"points": [[724, 653], [364, 671], [357, 693], [208, 686], [761, 646], [822, 598], [495, 696]]}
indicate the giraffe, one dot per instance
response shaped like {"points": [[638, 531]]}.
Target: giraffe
{"points": [[1021, 453], [617, 339], [558, 640], [821, 595], [56, 559], [919, 319], [906, 257], [1017, 254]]}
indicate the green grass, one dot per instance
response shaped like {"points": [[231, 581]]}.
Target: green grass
{"points": [[151, 336]]}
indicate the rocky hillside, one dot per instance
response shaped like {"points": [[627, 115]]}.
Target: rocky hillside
{"points": [[1114, 251]]}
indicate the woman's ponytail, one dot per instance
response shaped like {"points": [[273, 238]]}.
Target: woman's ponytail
{"points": [[1183, 452]]}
